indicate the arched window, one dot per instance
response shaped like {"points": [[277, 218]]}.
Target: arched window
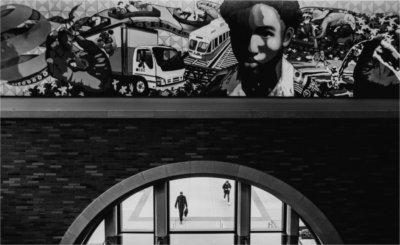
{"points": [[261, 209], [212, 217]]}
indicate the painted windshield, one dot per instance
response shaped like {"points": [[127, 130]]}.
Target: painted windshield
{"points": [[192, 44], [168, 59], [202, 47]]}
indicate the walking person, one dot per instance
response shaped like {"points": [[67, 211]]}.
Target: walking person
{"points": [[227, 190], [181, 204]]}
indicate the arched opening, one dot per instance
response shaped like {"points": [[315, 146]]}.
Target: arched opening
{"points": [[246, 179]]}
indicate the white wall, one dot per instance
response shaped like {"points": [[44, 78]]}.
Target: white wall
{"points": [[360, 6], [89, 7]]}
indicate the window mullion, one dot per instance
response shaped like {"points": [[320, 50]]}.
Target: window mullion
{"points": [[242, 235], [161, 213], [111, 226], [292, 227]]}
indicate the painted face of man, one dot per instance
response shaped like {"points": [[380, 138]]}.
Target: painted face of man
{"points": [[258, 38], [269, 35]]}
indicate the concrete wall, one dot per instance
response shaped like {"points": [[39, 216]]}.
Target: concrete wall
{"points": [[52, 169]]}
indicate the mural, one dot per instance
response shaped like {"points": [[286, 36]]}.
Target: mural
{"points": [[200, 48]]}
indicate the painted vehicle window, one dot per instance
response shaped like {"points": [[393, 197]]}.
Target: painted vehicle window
{"points": [[209, 49], [202, 47], [168, 59], [192, 44], [144, 57], [170, 54], [140, 56]]}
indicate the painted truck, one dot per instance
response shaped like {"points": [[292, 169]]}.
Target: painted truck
{"points": [[136, 58]]}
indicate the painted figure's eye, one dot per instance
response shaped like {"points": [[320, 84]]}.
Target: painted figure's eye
{"points": [[264, 32]]}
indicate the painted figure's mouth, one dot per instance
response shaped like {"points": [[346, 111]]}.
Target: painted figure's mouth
{"points": [[251, 65], [255, 61]]}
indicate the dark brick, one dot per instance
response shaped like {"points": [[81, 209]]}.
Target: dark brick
{"points": [[52, 169]]}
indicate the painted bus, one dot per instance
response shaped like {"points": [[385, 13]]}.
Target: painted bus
{"points": [[206, 42]]}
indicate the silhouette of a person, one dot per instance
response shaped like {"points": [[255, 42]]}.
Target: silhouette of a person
{"points": [[227, 189], [181, 204]]}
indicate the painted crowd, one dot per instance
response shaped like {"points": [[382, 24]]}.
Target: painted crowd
{"points": [[216, 49]]}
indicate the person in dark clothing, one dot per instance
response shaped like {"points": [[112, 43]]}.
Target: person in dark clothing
{"points": [[181, 204], [227, 189]]}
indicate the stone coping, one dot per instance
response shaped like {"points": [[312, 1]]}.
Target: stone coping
{"points": [[197, 108]]}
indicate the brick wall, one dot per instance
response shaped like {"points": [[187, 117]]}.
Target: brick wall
{"points": [[52, 169]]}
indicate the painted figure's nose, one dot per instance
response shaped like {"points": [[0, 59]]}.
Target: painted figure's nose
{"points": [[255, 43]]}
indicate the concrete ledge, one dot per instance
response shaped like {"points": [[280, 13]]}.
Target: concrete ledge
{"points": [[133, 182], [75, 230], [226, 169], [305, 208], [155, 174], [94, 208], [67, 238], [250, 174], [197, 108], [113, 193], [199, 167]]}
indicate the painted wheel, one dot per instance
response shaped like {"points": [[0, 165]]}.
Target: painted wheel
{"points": [[307, 93], [141, 88]]}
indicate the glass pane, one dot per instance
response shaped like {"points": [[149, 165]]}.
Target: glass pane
{"points": [[265, 238], [202, 47], [266, 211], [305, 236], [98, 236], [201, 239], [142, 239], [192, 44], [149, 59], [208, 210], [140, 55], [137, 211]]}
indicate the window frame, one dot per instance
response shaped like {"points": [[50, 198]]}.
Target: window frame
{"points": [[283, 215], [79, 229], [204, 231], [120, 230]]}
